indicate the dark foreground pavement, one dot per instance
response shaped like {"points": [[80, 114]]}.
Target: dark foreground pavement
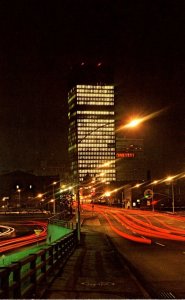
{"points": [[94, 271]]}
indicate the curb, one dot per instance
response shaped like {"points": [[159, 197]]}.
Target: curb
{"points": [[149, 293]]}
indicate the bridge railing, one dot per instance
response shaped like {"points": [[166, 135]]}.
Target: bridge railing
{"points": [[59, 219], [30, 276]]}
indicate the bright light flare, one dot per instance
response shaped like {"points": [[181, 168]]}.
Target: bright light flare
{"points": [[102, 174], [40, 195], [155, 181], [137, 185], [133, 123], [106, 164], [137, 121], [169, 178], [107, 194]]}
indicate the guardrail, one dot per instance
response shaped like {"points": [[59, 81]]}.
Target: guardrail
{"points": [[58, 220], [29, 277]]}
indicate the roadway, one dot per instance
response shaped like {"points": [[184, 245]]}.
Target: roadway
{"points": [[12, 244], [17, 231], [153, 244]]}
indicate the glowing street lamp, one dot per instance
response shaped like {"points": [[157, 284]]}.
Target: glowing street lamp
{"points": [[39, 195], [133, 123], [138, 185], [107, 194], [53, 201], [138, 121]]}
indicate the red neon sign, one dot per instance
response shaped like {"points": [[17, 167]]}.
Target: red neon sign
{"points": [[125, 155]]}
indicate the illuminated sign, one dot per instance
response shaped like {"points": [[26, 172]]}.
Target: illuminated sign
{"points": [[125, 154]]}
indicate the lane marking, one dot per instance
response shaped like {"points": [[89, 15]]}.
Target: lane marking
{"points": [[160, 244], [101, 283]]}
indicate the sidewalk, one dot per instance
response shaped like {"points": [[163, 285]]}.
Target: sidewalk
{"points": [[94, 270]]}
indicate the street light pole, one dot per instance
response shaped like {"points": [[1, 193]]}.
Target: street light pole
{"points": [[54, 208], [78, 180], [134, 123], [154, 182], [78, 211], [170, 179], [173, 198], [152, 197], [19, 191]]}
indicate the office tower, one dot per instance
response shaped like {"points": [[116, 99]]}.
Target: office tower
{"points": [[130, 159], [91, 123]]}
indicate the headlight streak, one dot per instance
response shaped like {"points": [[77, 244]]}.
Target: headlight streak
{"points": [[171, 228], [125, 235], [148, 220], [26, 240], [151, 230], [144, 225], [8, 230], [151, 233], [130, 219], [139, 229]]}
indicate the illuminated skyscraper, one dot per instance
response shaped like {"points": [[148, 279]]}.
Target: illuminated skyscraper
{"points": [[92, 124]]}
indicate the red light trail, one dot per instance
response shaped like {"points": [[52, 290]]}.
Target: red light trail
{"points": [[142, 226], [15, 243]]}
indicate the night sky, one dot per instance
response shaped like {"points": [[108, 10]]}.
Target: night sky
{"points": [[42, 40]]}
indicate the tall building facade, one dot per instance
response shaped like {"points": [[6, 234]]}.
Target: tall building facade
{"points": [[130, 159], [92, 124]]}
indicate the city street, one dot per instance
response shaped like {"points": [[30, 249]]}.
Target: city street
{"points": [[153, 244]]}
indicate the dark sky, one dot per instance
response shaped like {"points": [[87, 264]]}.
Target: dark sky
{"points": [[40, 42]]}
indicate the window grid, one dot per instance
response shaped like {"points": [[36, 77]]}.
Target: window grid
{"points": [[98, 147]]}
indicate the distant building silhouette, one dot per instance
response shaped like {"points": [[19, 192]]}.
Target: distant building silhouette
{"points": [[130, 159], [20, 189]]}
